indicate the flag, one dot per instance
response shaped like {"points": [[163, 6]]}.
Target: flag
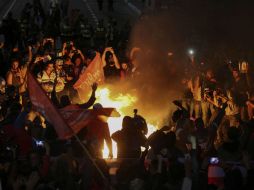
{"points": [[78, 118], [108, 112], [42, 103], [66, 125], [68, 120], [93, 73]]}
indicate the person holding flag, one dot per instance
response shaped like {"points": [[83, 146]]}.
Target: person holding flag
{"points": [[93, 74], [69, 120], [66, 102], [96, 132]]}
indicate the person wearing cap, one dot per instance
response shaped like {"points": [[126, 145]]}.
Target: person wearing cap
{"points": [[47, 77], [60, 74], [68, 68]]}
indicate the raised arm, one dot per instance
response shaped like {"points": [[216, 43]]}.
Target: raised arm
{"points": [[1, 45], [250, 107], [103, 57], [9, 78], [92, 98], [63, 49], [30, 55], [82, 55], [133, 51], [115, 59]]}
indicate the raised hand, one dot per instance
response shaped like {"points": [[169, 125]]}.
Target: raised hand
{"points": [[64, 45], [94, 86]]}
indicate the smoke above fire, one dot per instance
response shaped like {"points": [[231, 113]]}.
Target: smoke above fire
{"points": [[160, 65], [156, 84]]}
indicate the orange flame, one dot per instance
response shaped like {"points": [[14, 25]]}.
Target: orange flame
{"points": [[120, 102]]}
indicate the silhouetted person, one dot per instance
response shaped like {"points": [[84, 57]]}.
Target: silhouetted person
{"points": [[96, 132], [140, 122], [66, 103], [129, 140]]}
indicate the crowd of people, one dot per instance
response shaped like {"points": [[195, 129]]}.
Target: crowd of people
{"points": [[208, 146]]}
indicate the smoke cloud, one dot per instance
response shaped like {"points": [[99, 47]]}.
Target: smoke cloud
{"points": [[159, 83]]}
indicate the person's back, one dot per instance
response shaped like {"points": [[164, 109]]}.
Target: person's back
{"points": [[129, 140], [97, 132], [128, 144]]}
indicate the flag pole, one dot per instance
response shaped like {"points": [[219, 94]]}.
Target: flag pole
{"points": [[90, 157], [71, 130]]}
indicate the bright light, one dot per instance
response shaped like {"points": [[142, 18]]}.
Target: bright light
{"points": [[120, 102], [191, 52], [170, 54]]}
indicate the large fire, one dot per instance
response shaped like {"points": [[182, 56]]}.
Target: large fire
{"points": [[120, 102]]}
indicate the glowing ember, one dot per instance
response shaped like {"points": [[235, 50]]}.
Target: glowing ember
{"points": [[120, 102]]}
